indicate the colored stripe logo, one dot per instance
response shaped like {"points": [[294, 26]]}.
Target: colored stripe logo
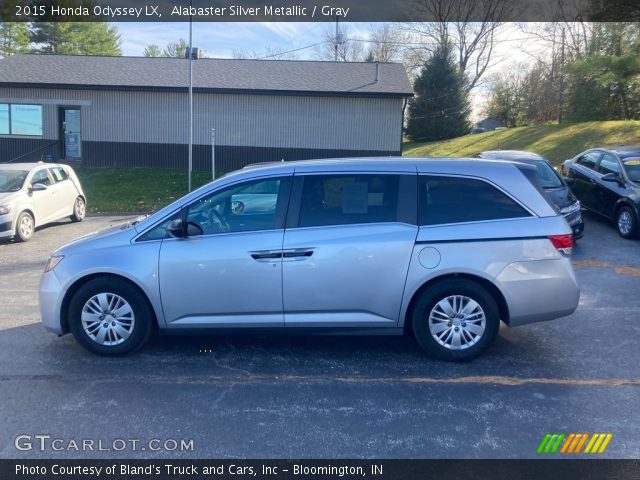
{"points": [[574, 443]]}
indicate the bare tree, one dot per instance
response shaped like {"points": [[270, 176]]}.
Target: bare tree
{"points": [[386, 43], [466, 27], [348, 48], [269, 53]]}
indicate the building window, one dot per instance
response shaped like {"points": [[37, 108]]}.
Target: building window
{"points": [[4, 119], [20, 119]]}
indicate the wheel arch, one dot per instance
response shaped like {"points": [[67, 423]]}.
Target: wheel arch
{"points": [[30, 212], [626, 202], [494, 291], [77, 284]]}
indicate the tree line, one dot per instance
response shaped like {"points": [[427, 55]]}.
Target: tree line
{"points": [[591, 73], [74, 38]]}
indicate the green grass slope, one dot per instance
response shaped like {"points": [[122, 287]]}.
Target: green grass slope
{"points": [[554, 142]]}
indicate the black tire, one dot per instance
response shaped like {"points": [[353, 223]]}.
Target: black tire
{"points": [[442, 290], [142, 324], [627, 222], [79, 210], [25, 234]]}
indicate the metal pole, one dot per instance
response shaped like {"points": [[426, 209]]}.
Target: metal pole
{"points": [[190, 98], [335, 57], [213, 154]]}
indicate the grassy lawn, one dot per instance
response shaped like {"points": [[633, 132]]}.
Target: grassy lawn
{"points": [[554, 142], [136, 189]]}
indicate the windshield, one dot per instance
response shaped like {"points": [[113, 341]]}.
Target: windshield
{"points": [[632, 167], [12, 180], [547, 175]]}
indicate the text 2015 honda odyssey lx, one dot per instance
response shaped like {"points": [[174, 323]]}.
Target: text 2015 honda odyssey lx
{"points": [[443, 249]]}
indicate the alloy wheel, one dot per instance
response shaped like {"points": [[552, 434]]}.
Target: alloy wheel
{"points": [[26, 226], [625, 222]]}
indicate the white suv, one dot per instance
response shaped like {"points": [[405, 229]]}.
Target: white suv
{"points": [[34, 194]]}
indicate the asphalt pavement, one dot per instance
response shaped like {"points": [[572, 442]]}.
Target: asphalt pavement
{"points": [[325, 397]]}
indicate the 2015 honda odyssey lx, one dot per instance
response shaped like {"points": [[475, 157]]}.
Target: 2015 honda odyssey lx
{"points": [[443, 249]]}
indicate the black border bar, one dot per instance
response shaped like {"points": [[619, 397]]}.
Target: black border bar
{"points": [[319, 10], [543, 469]]}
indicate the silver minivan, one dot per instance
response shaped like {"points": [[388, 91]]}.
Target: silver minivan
{"points": [[440, 248]]}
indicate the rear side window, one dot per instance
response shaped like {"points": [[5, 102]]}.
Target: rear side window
{"points": [[608, 164], [445, 200], [348, 199], [58, 174], [589, 160]]}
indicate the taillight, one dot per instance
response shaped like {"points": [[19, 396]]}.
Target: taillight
{"points": [[564, 243]]}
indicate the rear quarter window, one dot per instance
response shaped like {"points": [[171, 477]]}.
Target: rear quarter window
{"points": [[444, 200]]}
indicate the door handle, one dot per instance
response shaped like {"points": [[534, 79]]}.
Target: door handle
{"points": [[266, 255], [297, 253]]}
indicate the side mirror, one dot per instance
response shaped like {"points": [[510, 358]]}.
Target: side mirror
{"points": [[610, 177], [569, 180], [176, 228], [38, 187]]}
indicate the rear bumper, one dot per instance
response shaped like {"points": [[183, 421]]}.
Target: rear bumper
{"points": [[540, 290], [50, 298]]}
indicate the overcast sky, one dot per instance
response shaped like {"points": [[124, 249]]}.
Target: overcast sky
{"points": [[217, 39]]}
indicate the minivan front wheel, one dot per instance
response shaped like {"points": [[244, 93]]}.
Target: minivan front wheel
{"points": [[455, 319], [109, 316]]}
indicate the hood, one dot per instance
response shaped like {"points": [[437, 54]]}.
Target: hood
{"points": [[110, 236], [561, 197], [7, 197]]}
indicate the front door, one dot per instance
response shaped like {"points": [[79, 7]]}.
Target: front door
{"points": [[71, 132], [228, 271], [346, 257], [43, 200]]}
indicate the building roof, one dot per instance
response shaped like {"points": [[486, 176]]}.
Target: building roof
{"points": [[214, 75]]}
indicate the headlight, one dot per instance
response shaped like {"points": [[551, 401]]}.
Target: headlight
{"points": [[571, 208], [53, 262], [5, 209]]}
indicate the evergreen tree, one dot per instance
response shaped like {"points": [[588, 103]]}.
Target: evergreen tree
{"points": [[152, 50], [176, 49], [76, 38], [440, 108], [14, 38]]}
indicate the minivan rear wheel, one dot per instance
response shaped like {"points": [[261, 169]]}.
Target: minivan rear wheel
{"points": [[109, 316], [455, 319]]}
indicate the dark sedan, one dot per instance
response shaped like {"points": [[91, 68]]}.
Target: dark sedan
{"points": [[607, 182], [554, 185]]}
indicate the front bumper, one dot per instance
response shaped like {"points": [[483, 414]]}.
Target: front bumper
{"points": [[6, 226], [50, 298], [576, 223]]}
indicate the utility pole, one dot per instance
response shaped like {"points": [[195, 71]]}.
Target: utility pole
{"points": [[561, 92], [335, 45], [190, 95]]}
